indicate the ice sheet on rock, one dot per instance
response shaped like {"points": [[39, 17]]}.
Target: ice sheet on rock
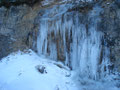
{"points": [[80, 43]]}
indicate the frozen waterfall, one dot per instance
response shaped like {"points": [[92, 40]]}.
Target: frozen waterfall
{"points": [[74, 39]]}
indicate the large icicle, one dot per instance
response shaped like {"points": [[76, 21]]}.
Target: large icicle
{"points": [[78, 44]]}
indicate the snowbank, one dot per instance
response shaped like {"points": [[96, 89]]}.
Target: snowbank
{"points": [[21, 71], [18, 72]]}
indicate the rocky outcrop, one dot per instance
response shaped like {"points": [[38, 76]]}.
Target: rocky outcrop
{"points": [[19, 25], [9, 3], [16, 28], [110, 25]]}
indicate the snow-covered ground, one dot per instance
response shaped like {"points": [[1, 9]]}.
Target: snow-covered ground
{"points": [[20, 71]]}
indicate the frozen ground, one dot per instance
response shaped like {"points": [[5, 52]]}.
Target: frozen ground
{"points": [[20, 71]]}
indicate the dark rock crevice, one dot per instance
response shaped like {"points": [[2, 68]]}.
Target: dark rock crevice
{"points": [[9, 3]]}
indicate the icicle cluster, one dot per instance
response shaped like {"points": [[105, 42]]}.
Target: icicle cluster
{"points": [[78, 42]]}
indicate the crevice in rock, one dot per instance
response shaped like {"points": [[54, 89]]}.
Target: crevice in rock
{"points": [[9, 3]]}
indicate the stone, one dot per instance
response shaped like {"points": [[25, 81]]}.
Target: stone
{"points": [[5, 43], [41, 69], [9, 3], [17, 28], [110, 25]]}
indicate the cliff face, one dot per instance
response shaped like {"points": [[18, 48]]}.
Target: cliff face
{"points": [[9, 3], [16, 26], [110, 25], [19, 24]]}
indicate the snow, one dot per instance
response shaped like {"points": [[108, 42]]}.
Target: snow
{"points": [[18, 71]]}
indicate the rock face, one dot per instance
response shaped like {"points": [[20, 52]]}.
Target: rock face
{"points": [[16, 27], [8, 3], [19, 25], [110, 25], [4, 46]]}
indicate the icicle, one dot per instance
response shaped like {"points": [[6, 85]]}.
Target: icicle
{"points": [[79, 45]]}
